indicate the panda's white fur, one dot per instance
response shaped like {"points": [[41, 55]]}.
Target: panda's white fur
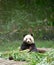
{"points": [[28, 39]]}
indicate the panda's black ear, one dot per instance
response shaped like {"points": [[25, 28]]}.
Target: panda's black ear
{"points": [[31, 34], [24, 35]]}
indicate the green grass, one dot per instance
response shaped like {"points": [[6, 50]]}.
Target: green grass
{"points": [[31, 58], [8, 46], [45, 44], [11, 49]]}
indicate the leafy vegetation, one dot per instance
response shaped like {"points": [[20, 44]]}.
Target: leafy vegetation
{"points": [[18, 17], [31, 58], [11, 49]]}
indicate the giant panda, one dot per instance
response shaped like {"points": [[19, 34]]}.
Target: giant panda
{"points": [[28, 43]]}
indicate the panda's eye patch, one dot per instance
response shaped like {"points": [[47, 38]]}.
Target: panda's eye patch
{"points": [[30, 38], [26, 38]]}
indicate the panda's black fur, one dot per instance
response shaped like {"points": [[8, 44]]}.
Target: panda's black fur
{"points": [[25, 45]]}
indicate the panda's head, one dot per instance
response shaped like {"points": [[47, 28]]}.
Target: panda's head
{"points": [[28, 39]]}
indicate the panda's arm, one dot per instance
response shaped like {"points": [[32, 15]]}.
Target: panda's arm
{"points": [[23, 46], [33, 48]]}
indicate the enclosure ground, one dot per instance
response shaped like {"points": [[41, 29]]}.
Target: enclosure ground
{"points": [[11, 62]]}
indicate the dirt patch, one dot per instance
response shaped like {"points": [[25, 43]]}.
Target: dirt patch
{"points": [[11, 62]]}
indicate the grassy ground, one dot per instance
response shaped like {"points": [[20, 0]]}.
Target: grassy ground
{"points": [[47, 44], [31, 58], [7, 46]]}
